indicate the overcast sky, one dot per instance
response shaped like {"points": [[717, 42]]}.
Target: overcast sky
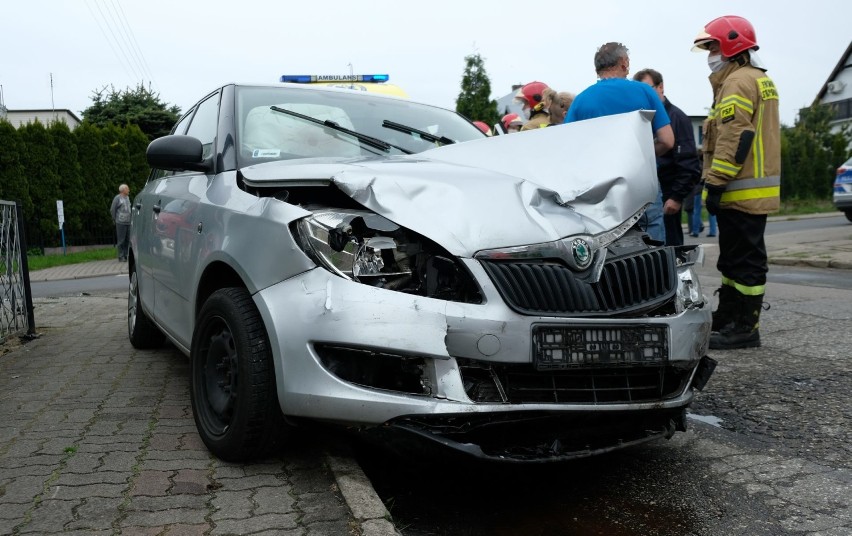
{"points": [[186, 48]]}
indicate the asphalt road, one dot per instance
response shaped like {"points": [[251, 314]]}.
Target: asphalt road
{"points": [[75, 287], [769, 450]]}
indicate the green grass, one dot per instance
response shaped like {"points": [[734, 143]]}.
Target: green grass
{"points": [[793, 207], [40, 262], [796, 207]]}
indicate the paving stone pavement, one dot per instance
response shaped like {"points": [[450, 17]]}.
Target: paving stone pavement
{"points": [[97, 438]]}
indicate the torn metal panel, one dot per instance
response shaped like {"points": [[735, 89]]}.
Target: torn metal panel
{"points": [[576, 183], [602, 169]]}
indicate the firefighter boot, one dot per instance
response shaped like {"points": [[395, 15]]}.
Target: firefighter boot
{"points": [[743, 332], [724, 314]]}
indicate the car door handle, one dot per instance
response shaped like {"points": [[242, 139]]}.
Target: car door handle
{"points": [[156, 209], [138, 206]]}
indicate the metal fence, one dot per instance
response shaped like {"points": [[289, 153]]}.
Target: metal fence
{"points": [[95, 234], [16, 299]]}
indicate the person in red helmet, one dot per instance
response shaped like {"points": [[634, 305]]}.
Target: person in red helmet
{"points": [[742, 173], [512, 123], [483, 126], [531, 98]]}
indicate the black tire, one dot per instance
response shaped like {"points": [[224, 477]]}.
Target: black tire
{"points": [[143, 334], [232, 386], [848, 215]]}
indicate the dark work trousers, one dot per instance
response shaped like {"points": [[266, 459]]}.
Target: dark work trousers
{"points": [[742, 250], [674, 228]]}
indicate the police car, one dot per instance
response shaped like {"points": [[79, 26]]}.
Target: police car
{"points": [[843, 189]]}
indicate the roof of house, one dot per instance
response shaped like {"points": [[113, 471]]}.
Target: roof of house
{"points": [[842, 64]]}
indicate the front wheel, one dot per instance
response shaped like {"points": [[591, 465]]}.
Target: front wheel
{"points": [[232, 386], [140, 330]]}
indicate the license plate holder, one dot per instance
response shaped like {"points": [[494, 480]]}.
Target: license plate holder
{"points": [[568, 347]]}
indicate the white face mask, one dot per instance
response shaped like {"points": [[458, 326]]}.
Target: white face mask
{"points": [[525, 113], [715, 62]]}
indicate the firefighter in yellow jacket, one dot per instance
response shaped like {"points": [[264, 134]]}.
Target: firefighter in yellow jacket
{"points": [[531, 99], [742, 172]]}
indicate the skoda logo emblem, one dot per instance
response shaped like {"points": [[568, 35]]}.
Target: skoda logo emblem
{"points": [[582, 252]]}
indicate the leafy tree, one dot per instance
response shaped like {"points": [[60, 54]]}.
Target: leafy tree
{"points": [[810, 154], [474, 100], [13, 185], [138, 106]]}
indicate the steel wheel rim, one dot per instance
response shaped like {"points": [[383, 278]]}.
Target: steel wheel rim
{"points": [[217, 377]]}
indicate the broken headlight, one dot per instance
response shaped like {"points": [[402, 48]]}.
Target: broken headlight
{"points": [[362, 246], [689, 293]]}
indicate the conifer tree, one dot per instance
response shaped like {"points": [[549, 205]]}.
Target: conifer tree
{"points": [[71, 188], [474, 100], [99, 189], [13, 184], [138, 106], [39, 162], [810, 154]]}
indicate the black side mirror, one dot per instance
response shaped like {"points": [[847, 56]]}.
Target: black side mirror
{"points": [[177, 153]]}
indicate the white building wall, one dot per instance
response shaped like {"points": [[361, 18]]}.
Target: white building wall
{"points": [[19, 118]]}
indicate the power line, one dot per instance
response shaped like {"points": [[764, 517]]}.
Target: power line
{"points": [[106, 38], [135, 53], [118, 43], [136, 43]]}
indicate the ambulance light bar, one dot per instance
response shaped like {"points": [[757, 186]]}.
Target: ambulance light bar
{"points": [[313, 78]]}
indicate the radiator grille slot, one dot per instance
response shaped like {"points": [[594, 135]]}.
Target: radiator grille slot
{"points": [[522, 384], [548, 287]]}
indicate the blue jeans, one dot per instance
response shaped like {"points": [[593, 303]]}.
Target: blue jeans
{"points": [[695, 224], [652, 220]]}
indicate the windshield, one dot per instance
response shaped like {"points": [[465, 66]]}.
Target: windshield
{"points": [[265, 134]]}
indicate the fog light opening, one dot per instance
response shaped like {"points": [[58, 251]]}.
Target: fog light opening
{"points": [[376, 369]]}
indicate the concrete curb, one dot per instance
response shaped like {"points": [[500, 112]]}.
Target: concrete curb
{"points": [[363, 501]]}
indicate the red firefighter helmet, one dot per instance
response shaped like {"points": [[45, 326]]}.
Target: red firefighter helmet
{"points": [[734, 34], [483, 126], [531, 94], [510, 119]]}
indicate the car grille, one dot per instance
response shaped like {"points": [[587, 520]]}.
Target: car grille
{"points": [[522, 384], [551, 288]]}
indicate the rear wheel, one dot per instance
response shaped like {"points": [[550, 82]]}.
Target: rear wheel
{"points": [[848, 215], [141, 331], [232, 387]]}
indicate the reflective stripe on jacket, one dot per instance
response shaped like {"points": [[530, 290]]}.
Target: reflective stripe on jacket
{"points": [[742, 139], [538, 120]]}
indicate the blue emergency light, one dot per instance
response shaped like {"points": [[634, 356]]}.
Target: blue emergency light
{"points": [[314, 78]]}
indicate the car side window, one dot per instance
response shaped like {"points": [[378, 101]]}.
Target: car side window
{"points": [[204, 123], [180, 128]]}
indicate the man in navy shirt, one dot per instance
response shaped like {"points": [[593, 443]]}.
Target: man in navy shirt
{"points": [[679, 170], [615, 94]]}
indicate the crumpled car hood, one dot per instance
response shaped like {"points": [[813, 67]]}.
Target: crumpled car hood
{"points": [[518, 189]]}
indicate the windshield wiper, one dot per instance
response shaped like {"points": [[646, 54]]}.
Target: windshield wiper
{"points": [[443, 140], [363, 138]]}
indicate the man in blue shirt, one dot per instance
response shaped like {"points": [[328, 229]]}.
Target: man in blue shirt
{"points": [[615, 94]]}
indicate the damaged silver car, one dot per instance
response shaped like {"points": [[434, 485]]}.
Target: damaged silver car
{"points": [[330, 255]]}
